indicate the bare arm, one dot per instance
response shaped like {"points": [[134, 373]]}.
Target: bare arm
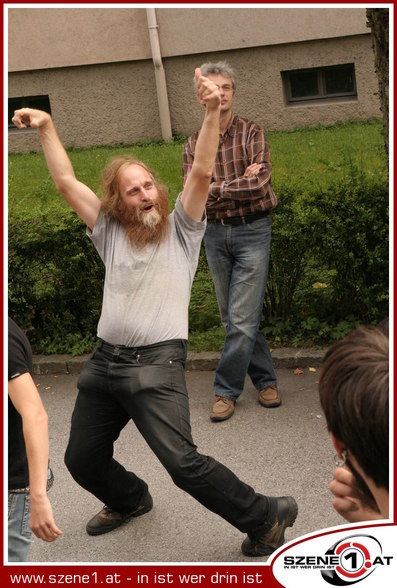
{"points": [[195, 192], [80, 197], [26, 399]]}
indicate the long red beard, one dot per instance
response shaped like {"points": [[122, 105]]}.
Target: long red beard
{"points": [[141, 231]]}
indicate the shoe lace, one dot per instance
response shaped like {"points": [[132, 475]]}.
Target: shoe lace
{"points": [[222, 399]]}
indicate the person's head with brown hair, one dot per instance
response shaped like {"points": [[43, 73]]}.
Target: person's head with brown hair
{"points": [[133, 195], [354, 394]]}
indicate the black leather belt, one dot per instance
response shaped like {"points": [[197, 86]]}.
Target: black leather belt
{"points": [[234, 221]]}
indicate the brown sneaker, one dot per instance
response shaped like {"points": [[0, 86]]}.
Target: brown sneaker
{"points": [[287, 511], [108, 519], [269, 397], [222, 409]]}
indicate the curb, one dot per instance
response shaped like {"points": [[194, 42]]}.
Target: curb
{"points": [[284, 357]]}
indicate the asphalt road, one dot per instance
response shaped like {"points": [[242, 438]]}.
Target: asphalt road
{"points": [[284, 450]]}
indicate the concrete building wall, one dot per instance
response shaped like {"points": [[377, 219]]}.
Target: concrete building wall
{"points": [[92, 105], [96, 67], [43, 38], [82, 36], [260, 94], [224, 29]]}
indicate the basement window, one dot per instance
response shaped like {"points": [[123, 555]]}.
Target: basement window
{"points": [[319, 83], [39, 102]]}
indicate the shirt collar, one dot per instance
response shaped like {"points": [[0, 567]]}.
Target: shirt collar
{"points": [[232, 126]]}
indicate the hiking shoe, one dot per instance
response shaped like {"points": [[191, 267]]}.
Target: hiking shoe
{"points": [[269, 397], [287, 511], [108, 519], [222, 409]]}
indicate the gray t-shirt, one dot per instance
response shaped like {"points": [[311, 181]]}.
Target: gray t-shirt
{"points": [[147, 292]]}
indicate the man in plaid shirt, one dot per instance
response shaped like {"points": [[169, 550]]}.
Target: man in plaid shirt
{"points": [[237, 243]]}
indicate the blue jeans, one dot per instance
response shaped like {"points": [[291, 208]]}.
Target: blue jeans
{"points": [[147, 385], [238, 258], [19, 532]]}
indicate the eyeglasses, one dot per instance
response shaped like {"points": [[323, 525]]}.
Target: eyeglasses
{"points": [[226, 88]]}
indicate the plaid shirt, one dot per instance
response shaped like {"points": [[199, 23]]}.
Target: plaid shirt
{"points": [[232, 194]]}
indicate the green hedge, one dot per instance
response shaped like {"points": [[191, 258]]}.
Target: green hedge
{"points": [[55, 281], [329, 267]]}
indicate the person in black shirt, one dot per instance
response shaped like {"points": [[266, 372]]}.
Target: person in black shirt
{"points": [[29, 508]]}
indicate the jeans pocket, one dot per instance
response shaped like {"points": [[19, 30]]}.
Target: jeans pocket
{"points": [[261, 225], [19, 514]]}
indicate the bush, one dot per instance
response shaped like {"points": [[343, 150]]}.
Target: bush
{"points": [[203, 310], [329, 266], [55, 281], [352, 239]]}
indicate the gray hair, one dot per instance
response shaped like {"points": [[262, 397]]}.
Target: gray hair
{"points": [[219, 67]]}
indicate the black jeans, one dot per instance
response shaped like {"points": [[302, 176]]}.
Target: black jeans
{"points": [[147, 385]]}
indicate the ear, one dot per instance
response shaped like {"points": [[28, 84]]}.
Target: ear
{"points": [[339, 446]]}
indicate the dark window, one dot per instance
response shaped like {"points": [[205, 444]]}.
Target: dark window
{"points": [[40, 102], [319, 83], [303, 84], [339, 80]]}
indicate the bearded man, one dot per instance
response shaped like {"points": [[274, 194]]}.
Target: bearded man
{"points": [[137, 369]]}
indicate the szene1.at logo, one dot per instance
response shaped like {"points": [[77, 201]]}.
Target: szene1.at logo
{"points": [[348, 561]]}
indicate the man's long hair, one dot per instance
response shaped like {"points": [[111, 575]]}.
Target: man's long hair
{"points": [[354, 394], [110, 184]]}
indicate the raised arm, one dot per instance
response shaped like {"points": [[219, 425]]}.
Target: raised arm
{"points": [[195, 192], [80, 197], [26, 399]]}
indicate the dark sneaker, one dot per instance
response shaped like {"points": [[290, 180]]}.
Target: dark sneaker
{"points": [[222, 409], [108, 519], [287, 511], [269, 397]]}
